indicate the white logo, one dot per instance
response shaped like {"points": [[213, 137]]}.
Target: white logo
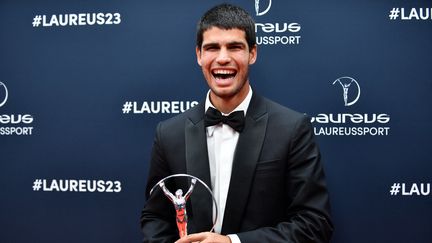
{"points": [[257, 8], [346, 82], [10, 124], [3, 101], [351, 124], [279, 33]]}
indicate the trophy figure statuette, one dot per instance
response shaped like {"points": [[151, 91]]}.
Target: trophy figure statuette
{"points": [[179, 200]]}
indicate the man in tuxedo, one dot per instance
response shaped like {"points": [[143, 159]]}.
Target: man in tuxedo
{"points": [[259, 157]]}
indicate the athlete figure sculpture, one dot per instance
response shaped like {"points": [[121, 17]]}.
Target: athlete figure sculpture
{"points": [[345, 88], [179, 202]]}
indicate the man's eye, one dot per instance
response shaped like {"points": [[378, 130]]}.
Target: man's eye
{"points": [[236, 47], [211, 48]]}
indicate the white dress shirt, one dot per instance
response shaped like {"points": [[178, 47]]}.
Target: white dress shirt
{"points": [[221, 144]]}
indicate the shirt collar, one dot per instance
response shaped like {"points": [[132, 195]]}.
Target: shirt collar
{"points": [[243, 106]]}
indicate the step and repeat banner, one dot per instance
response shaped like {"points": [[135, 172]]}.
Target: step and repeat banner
{"points": [[83, 85]]}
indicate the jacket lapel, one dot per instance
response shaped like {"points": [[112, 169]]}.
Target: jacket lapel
{"points": [[197, 164], [245, 159]]}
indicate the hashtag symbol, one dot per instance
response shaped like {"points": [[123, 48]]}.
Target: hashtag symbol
{"points": [[395, 189], [37, 20], [37, 184], [127, 107], [394, 13]]}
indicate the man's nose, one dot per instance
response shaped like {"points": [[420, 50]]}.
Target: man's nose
{"points": [[223, 56]]}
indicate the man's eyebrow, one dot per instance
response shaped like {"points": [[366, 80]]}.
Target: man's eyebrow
{"points": [[235, 43], [215, 44], [211, 44]]}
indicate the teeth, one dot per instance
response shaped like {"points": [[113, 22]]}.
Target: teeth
{"points": [[223, 72]]}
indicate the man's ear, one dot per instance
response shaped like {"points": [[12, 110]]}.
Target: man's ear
{"points": [[198, 54], [253, 53]]}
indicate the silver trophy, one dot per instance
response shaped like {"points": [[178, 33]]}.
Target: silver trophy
{"points": [[179, 200]]}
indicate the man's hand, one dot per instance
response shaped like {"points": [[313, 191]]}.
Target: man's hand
{"points": [[205, 237]]}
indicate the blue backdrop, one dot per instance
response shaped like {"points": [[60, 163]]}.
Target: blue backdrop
{"points": [[84, 83]]}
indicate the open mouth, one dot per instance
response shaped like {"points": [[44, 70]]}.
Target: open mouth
{"points": [[224, 74]]}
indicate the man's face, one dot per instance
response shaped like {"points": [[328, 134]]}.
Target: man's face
{"points": [[225, 58]]}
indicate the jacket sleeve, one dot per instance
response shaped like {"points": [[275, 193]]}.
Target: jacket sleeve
{"points": [[158, 215], [307, 215]]}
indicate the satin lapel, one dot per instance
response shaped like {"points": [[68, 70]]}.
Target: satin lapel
{"points": [[197, 164], [245, 160]]}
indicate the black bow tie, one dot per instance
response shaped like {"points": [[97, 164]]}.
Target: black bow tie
{"points": [[235, 120]]}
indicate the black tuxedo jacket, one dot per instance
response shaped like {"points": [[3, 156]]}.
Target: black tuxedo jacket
{"points": [[277, 191]]}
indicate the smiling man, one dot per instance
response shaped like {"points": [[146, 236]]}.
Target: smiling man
{"points": [[259, 157]]}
